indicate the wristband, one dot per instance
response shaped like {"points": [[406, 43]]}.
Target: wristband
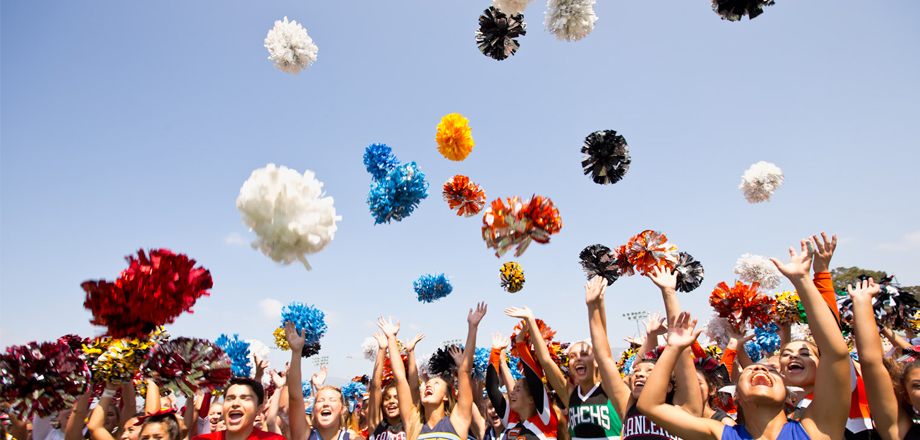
{"points": [[108, 393]]}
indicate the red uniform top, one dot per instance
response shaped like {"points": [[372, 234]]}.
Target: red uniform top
{"points": [[257, 434]]}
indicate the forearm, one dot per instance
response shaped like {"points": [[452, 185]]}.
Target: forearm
{"points": [[883, 402], [651, 343], [74, 428], [191, 416], [655, 392], [373, 402], [297, 423], [687, 394], [152, 399], [821, 320], [553, 374], [413, 375], [671, 303]]}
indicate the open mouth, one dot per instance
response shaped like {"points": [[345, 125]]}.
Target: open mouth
{"points": [[234, 417], [429, 392], [795, 367], [392, 408], [580, 370], [761, 379]]}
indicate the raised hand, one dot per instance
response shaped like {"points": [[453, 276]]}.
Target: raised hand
{"points": [[656, 325], [683, 332], [381, 340], [595, 289], [799, 263], [476, 316], [522, 313], [410, 344], [663, 278], [500, 342], [295, 339], [319, 379], [824, 250], [387, 326], [456, 353], [737, 339], [864, 290], [278, 379]]}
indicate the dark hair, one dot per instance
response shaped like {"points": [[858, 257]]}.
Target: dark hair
{"points": [[812, 344], [172, 426], [254, 385], [714, 384]]}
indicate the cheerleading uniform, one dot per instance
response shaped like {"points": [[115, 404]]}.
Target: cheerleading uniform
{"points": [[543, 424], [256, 434], [342, 435], [443, 430], [386, 431], [592, 416], [638, 427], [791, 431]]}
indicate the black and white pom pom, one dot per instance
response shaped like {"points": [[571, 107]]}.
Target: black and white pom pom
{"points": [[689, 273], [606, 156], [498, 32], [598, 260], [441, 362], [734, 10]]}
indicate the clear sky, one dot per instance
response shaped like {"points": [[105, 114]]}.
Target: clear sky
{"points": [[134, 124]]}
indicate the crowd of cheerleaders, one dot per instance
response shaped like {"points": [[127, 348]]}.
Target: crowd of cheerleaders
{"points": [[811, 389]]}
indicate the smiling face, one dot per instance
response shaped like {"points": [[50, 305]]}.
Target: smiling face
{"points": [[130, 430], [799, 363], [911, 385], [761, 384], [240, 408], [111, 417], [390, 404], [215, 416], [155, 431], [639, 376], [435, 392], [492, 416], [581, 362], [328, 408], [519, 398]]}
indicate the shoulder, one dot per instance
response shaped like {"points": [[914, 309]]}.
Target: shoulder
{"points": [[264, 435]]}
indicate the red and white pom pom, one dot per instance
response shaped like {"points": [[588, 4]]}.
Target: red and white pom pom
{"points": [[464, 196], [743, 305], [651, 249]]}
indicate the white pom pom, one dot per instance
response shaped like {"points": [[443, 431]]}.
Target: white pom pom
{"points": [[370, 347], [800, 332], [511, 6], [760, 181], [421, 364], [259, 350], [570, 20], [288, 213], [717, 331], [289, 47], [757, 269]]}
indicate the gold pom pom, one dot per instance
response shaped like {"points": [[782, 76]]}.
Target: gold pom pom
{"points": [[454, 137], [280, 339], [512, 277]]}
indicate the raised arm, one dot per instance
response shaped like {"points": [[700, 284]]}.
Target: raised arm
{"points": [[274, 403], [501, 343], [413, 367], [612, 383], [409, 412], [96, 425], [374, 415], [298, 424], [891, 421], [654, 327], [152, 402], [460, 417], [686, 391], [74, 428], [896, 340], [823, 252], [189, 418], [652, 402], [128, 406], [554, 375], [828, 411]]}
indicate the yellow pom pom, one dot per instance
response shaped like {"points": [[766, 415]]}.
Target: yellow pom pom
{"points": [[454, 137], [280, 339]]}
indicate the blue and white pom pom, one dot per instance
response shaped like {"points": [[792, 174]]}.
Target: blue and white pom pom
{"points": [[379, 160], [307, 389], [238, 351], [307, 319], [398, 194], [354, 391], [432, 287], [765, 343]]}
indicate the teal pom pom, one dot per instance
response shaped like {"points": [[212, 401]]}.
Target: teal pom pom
{"points": [[765, 343], [432, 287], [306, 319], [481, 361], [379, 160], [238, 351], [354, 391], [398, 194]]}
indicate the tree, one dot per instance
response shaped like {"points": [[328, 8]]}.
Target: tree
{"points": [[842, 276]]}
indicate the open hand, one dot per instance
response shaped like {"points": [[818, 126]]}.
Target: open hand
{"points": [[410, 344], [522, 313], [476, 316], [595, 289], [295, 339], [683, 332], [824, 250], [387, 326], [799, 263], [500, 342], [663, 278]]}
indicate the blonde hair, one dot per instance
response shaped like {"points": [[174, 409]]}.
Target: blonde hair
{"points": [[343, 418]]}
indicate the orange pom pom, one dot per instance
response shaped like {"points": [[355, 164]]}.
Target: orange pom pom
{"points": [[650, 249], [455, 140], [743, 304], [464, 196]]}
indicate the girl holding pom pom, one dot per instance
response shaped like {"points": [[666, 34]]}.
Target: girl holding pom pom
{"points": [[438, 417], [761, 392]]}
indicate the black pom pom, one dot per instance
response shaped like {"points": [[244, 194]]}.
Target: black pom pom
{"points": [[598, 260], [497, 33], [441, 362], [689, 273], [309, 349], [607, 156], [733, 10]]}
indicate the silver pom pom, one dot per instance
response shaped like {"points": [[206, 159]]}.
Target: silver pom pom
{"points": [[760, 181], [758, 269], [289, 47], [570, 20]]}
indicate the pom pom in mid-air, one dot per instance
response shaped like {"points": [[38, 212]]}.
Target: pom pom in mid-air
{"points": [[379, 160], [432, 287], [398, 194], [238, 352], [789, 309], [626, 268], [152, 291], [511, 6], [689, 273], [42, 378], [570, 20], [760, 181], [743, 304], [734, 10], [464, 196], [454, 137], [186, 365], [598, 260], [758, 269], [765, 343], [289, 46], [306, 319], [512, 277], [288, 212], [498, 32], [606, 156], [649, 249], [518, 223]]}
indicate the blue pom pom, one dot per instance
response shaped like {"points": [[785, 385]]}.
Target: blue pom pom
{"points": [[629, 364], [305, 318], [398, 194], [432, 287], [481, 361], [513, 366], [766, 342], [379, 160], [307, 389], [354, 391], [238, 351]]}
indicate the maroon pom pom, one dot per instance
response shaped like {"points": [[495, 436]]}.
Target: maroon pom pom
{"points": [[42, 379], [187, 365]]}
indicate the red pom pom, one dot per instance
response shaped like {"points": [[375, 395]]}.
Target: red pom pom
{"points": [[626, 268], [150, 292], [519, 223], [545, 331], [187, 365], [650, 249], [464, 196], [42, 379], [743, 304]]}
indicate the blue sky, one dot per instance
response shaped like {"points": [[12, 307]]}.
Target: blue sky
{"points": [[129, 125]]}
